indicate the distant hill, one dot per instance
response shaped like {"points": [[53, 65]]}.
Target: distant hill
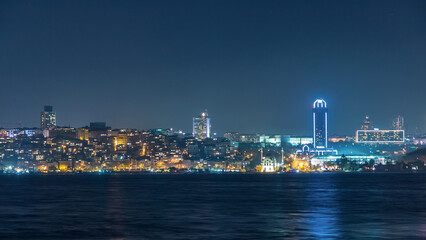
{"points": [[418, 155]]}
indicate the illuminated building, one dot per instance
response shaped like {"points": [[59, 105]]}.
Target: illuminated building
{"points": [[319, 113], [122, 139], [337, 139], [83, 134], [320, 131], [297, 140], [232, 136], [201, 126], [398, 123], [359, 159], [270, 141], [367, 124], [268, 164], [12, 133], [249, 138], [421, 141], [48, 118], [380, 136]]}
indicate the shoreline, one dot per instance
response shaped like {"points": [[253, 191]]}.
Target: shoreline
{"points": [[209, 173]]}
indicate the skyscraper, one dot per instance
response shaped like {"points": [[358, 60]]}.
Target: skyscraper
{"points": [[398, 123], [367, 124], [201, 126], [319, 113], [48, 118]]}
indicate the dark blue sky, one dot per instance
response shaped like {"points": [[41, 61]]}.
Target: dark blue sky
{"points": [[257, 66]]}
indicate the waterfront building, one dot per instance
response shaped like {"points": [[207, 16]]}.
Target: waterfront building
{"points": [[48, 118], [268, 164], [358, 159], [201, 126], [320, 127]]}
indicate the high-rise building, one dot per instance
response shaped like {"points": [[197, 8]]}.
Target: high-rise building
{"points": [[320, 132], [367, 124], [201, 126], [398, 123], [320, 127], [48, 118], [380, 136]]}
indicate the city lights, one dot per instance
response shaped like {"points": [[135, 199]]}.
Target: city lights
{"points": [[100, 148]]}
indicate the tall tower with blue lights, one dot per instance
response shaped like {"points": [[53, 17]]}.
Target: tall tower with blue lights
{"points": [[319, 113]]}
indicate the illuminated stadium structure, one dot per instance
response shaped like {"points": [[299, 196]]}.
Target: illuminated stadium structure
{"points": [[359, 159]]}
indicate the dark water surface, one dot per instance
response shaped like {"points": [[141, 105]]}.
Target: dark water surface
{"points": [[213, 206]]}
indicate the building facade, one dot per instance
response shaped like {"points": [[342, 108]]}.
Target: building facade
{"points": [[270, 140], [380, 136], [48, 118], [320, 127], [358, 159], [268, 164], [367, 124], [398, 123], [201, 126]]}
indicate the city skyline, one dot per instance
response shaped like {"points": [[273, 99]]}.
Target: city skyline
{"points": [[256, 66], [48, 113], [213, 119]]}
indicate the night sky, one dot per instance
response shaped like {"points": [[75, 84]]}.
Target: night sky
{"points": [[257, 66]]}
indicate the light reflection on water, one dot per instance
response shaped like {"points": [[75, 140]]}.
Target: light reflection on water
{"points": [[214, 206], [323, 206]]}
